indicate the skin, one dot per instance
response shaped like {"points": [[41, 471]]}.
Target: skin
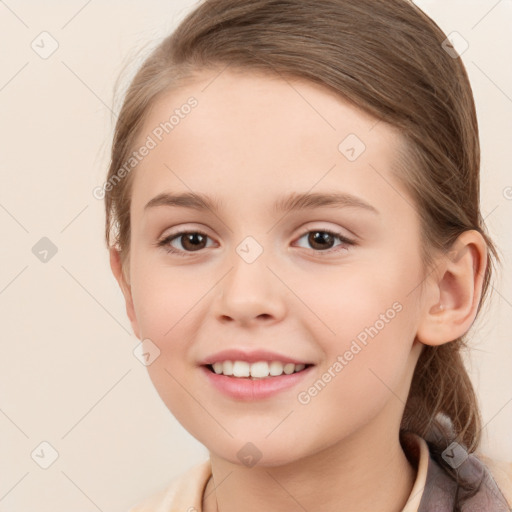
{"points": [[252, 139]]}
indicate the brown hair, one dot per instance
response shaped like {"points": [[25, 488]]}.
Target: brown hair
{"points": [[386, 58]]}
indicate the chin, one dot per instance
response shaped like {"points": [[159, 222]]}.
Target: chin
{"points": [[256, 453]]}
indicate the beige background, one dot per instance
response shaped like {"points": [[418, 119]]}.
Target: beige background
{"points": [[68, 375]]}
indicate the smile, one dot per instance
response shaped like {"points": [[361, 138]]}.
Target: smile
{"points": [[257, 370]]}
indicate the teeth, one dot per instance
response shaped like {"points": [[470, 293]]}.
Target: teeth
{"points": [[259, 370], [240, 369]]}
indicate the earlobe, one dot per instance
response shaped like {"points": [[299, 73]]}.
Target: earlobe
{"points": [[120, 275], [454, 291]]}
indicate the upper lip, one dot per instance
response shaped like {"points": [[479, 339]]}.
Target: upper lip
{"points": [[251, 357]]}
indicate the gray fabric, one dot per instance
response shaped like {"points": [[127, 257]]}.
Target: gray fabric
{"points": [[440, 490]]}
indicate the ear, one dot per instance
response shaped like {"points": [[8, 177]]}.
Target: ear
{"points": [[120, 275], [453, 291]]}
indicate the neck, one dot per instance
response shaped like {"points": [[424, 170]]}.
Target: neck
{"points": [[352, 476]]}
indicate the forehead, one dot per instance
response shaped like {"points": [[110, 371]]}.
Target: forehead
{"points": [[261, 133]]}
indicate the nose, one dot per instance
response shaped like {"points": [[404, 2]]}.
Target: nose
{"points": [[250, 293]]}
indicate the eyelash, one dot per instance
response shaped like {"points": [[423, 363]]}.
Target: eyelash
{"points": [[164, 243]]}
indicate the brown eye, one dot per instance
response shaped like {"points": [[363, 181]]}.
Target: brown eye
{"points": [[190, 241], [322, 240]]}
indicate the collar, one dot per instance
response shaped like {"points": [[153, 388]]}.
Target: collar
{"points": [[434, 490]]}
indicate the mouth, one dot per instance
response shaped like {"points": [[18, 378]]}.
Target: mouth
{"points": [[247, 387], [245, 371]]}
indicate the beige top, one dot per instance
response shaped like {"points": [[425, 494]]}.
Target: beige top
{"points": [[185, 493]]}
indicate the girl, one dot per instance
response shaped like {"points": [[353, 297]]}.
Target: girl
{"points": [[294, 186]]}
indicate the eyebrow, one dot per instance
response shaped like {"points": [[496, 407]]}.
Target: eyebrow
{"points": [[292, 202]]}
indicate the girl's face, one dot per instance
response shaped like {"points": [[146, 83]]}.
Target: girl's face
{"points": [[263, 277]]}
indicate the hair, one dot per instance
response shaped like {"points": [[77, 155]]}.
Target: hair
{"points": [[385, 57]]}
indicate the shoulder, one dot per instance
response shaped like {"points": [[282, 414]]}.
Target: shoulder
{"points": [[182, 493]]}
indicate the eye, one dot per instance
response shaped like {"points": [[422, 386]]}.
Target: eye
{"points": [[191, 241], [322, 240]]}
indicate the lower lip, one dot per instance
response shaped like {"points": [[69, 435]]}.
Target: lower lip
{"points": [[242, 388]]}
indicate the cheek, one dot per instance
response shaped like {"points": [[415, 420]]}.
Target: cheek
{"points": [[169, 305], [163, 297], [365, 369], [357, 303], [368, 318]]}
